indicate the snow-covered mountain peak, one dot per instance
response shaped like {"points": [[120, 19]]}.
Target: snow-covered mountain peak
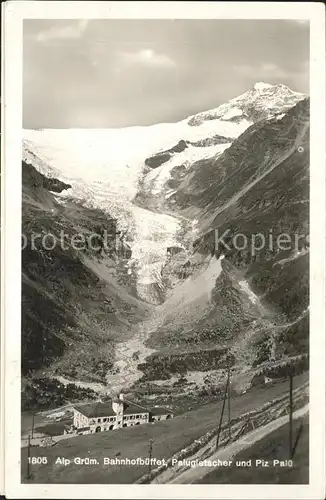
{"points": [[262, 101], [262, 86]]}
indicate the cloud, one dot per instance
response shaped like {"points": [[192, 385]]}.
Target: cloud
{"points": [[262, 71], [149, 58], [272, 73], [270, 70], [59, 31]]}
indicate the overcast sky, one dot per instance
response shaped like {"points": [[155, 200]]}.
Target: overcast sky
{"points": [[116, 73]]}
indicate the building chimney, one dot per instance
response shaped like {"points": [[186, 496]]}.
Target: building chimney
{"points": [[121, 396]]}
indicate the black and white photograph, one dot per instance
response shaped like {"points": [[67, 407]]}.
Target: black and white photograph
{"points": [[166, 294]]}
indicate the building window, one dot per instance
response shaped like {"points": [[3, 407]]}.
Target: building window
{"points": [[137, 416], [99, 420], [104, 419]]}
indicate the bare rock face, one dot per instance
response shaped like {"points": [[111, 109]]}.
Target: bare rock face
{"points": [[159, 158]]}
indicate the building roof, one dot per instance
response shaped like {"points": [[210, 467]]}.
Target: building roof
{"points": [[105, 409], [159, 410], [97, 410], [131, 408]]}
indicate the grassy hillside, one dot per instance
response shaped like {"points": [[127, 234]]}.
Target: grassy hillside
{"points": [[274, 446]]}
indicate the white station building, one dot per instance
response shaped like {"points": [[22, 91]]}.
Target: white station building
{"points": [[115, 414]]}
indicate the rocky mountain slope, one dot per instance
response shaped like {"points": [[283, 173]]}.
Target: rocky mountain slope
{"points": [[257, 308], [72, 315], [185, 303]]}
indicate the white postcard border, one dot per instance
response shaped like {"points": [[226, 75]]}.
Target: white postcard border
{"points": [[15, 12]]}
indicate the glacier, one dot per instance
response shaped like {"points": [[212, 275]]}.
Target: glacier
{"points": [[106, 166]]}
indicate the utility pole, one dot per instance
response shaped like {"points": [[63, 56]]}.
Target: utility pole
{"points": [[33, 415], [291, 415], [150, 449], [28, 457], [222, 412], [296, 440], [229, 403]]}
